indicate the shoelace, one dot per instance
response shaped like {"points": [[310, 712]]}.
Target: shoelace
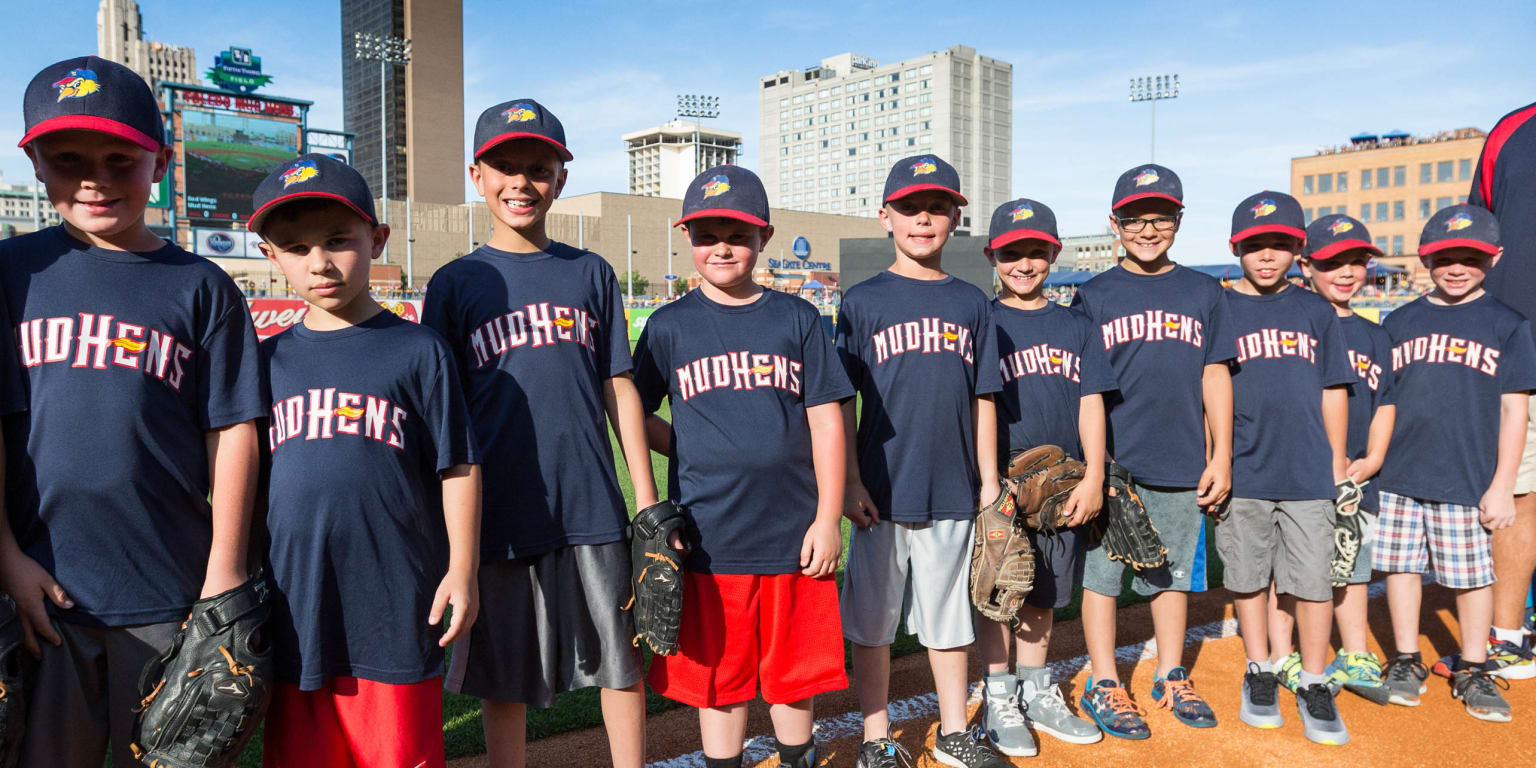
{"points": [[1262, 686], [1319, 701], [1402, 669], [1506, 648], [893, 754], [1179, 693], [1118, 701], [1049, 699], [1009, 712], [1480, 680]]}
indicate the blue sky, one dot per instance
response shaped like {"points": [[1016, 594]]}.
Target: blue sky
{"points": [[1261, 83]]}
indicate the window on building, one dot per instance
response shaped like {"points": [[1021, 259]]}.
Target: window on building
{"points": [[1399, 175], [1397, 245], [1397, 209], [1464, 169], [1365, 211], [1324, 211], [1381, 243], [1425, 174], [1365, 179], [1381, 211], [1307, 187], [1324, 183], [1442, 202], [1462, 200], [1443, 171], [1424, 208], [1343, 184], [1306, 215], [1382, 179]]}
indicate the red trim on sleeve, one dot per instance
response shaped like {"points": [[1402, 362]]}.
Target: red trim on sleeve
{"points": [[1496, 140]]}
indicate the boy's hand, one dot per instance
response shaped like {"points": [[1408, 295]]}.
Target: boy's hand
{"points": [[858, 506], [822, 549], [1087, 499], [1215, 485], [1498, 507], [989, 492], [29, 584], [1363, 469], [462, 591]]}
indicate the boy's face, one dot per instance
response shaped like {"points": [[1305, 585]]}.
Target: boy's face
{"points": [[1337, 279], [1458, 272], [1023, 264], [1266, 258], [324, 249], [1159, 223], [920, 223], [519, 180], [98, 182], [725, 250]]}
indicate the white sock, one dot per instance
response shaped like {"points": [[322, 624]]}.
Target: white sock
{"points": [[1263, 666], [1309, 679], [1513, 636]]}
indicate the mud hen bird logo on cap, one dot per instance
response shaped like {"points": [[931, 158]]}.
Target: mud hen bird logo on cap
{"points": [[1340, 227], [78, 83], [519, 113], [717, 185], [1264, 208], [1023, 212], [304, 170], [923, 166], [1458, 222], [1147, 176]]}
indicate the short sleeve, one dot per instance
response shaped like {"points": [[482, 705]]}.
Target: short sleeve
{"points": [[825, 379], [989, 377], [1096, 375], [613, 354], [447, 416], [437, 314], [13, 397], [1336, 367], [229, 367], [848, 348], [1386, 382], [1517, 369], [1220, 339], [650, 380]]}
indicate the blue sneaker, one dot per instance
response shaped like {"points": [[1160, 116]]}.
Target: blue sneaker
{"points": [[1176, 692], [1359, 672], [1111, 708]]}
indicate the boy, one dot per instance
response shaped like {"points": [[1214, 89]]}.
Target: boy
{"points": [[754, 383], [1287, 455], [538, 329], [1334, 264], [372, 465], [143, 386], [1054, 372], [919, 345], [1450, 476], [1168, 339]]}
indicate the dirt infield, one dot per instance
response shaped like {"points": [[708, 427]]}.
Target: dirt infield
{"points": [[1438, 732]]}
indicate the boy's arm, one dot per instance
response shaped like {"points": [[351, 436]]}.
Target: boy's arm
{"points": [[1216, 393], [658, 434], [1088, 497], [1376, 442], [27, 582], [460, 586], [622, 402], [232, 470], [984, 420], [823, 545], [1498, 504], [857, 505], [1336, 425]]}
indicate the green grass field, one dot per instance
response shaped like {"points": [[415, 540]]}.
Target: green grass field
{"points": [[241, 156]]}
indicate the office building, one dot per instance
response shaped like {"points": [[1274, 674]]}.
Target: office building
{"points": [[120, 38], [662, 160], [1091, 253]]}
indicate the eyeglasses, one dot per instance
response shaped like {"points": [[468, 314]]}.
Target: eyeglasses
{"points": [[1159, 223]]}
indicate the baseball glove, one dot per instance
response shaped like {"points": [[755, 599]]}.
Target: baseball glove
{"points": [[1348, 530], [1124, 528], [204, 696], [657, 572], [1046, 477], [1002, 560], [13, 702]]}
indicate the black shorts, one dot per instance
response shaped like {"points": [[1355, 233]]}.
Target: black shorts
{"points": [[1058, 567]]}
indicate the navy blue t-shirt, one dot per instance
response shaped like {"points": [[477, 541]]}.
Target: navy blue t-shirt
{"points": [[1160, 331], [1452, 364], [1049, 358], [739, 379], [1290, 346], [1370, 355], [13, 396], [536, 335], [363, 421], [130, 360], [911, 348]]}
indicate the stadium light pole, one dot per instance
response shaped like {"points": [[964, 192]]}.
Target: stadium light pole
{"points": [[388, 51], [698, 106], [1154, 89]]}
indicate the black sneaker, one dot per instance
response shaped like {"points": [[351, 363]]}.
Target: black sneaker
{"points": [[807, 760], [1260, 706], [1405, 676], [967, 749], [883, 753], [1319, 717]]}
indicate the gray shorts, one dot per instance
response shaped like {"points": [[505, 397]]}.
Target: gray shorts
{"points": [[1287, 542], [1181, 526], [922, 566], [1058, 568], [548, 624], [1362, 574], [82, 696]]}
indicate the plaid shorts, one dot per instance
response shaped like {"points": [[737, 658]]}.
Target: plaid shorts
{"points": [[1462, 548]]}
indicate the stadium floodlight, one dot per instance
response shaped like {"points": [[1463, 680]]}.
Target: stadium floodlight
{"points": [[389, 52], [1154, 89], [698, 106]]}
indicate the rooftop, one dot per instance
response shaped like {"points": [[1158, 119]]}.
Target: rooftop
{"points": [[1365, 142]]}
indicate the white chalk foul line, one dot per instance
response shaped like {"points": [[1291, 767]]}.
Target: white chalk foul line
{"points": [[759, 748]]}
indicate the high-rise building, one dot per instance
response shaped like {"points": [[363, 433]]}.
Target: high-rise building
{"points": [[662, 160], [1089, 253], [120, 38], [829, 133], [423, 109]]}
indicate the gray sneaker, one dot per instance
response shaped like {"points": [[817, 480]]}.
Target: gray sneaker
{"points": [[1004, 722], [1320, 719], [1404, 676], [1261, 705], [966, 749], [1479, 691], [1047, 711]]}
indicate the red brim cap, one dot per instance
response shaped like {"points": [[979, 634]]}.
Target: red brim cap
{"points": [[1016, 235], [1333, 249], [721, 213], [1263, 229], [565, 154], [1426, 249], [905, 191], [1128, 199], [91, 123], [261, 213]]}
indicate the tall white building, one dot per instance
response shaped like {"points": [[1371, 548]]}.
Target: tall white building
{"points": [[662, 160], [830, 133], [120, 38]]}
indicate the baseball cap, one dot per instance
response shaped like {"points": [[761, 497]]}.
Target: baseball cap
{"points": [[1150, 180], [519, 119], [920, 172], [726, 191], [87, 93], [308, 176], [1460, 226], [1020, 220], [1268, 212], [1334, 234]]}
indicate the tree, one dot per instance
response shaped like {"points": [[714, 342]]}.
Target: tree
{"points": [[640, 283]]}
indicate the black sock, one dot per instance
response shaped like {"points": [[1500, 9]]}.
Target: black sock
{"points": [[722, 762], [789, 753], [1463, 664], [1414, 657]]}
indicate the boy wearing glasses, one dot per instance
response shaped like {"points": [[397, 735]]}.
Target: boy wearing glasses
{"points": [[1165, 331]]}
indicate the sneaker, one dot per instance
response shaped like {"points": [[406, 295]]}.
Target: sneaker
{"points": [[1003, 720], [967, 749], [1359, 672], [1511, 661], [1177, 693], [1445, 666], [1530, 625], [1479, 691], [1261, 706], [1288, 671], [1047, 711], [807, 760], [883, 753], [1404, 676], [1112, 710], [1320, 719]]}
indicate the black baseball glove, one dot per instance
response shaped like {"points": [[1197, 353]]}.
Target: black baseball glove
{"points": [[1348, 530], [657, 570], [1124, 528], [13, 700]]}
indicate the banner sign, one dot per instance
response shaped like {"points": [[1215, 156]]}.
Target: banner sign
{"points": [[273, 316], [236, 69]]}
